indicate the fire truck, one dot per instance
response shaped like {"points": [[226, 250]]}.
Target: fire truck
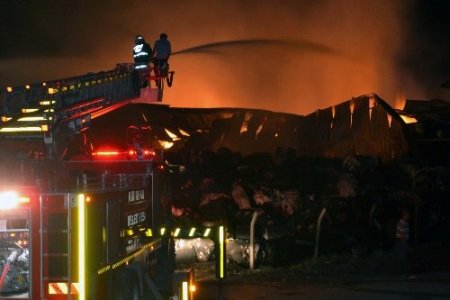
{"points": [[77, 220]]}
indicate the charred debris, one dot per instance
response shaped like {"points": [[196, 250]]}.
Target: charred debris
{"points": [[361, 160]]}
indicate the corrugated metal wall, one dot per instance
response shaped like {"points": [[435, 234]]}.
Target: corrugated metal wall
{"points": [[362, 126]]}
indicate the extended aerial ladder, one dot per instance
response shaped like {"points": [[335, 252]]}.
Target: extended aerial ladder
{"points": [[62, 108]]}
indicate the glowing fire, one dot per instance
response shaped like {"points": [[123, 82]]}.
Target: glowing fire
{"points": [[352, 109], [165, 144], [399, 103], [333, 113], [172, 135], [244, 126], [389, 117], [184, 133], [400, 100], [372, 104], [408, 120]]}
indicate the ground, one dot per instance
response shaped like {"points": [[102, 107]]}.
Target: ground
{"points": [[333, 277]]}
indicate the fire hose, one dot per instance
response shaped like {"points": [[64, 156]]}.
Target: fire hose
{"points": [[11, 258]]}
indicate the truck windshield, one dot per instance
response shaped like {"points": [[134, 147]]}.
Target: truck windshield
{"points": [[14, 254]]}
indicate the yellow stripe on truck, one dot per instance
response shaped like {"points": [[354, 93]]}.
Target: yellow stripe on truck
{"points": [[81, 247]]}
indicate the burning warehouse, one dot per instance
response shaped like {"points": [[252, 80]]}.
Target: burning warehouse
{"points": [[336, 131]]}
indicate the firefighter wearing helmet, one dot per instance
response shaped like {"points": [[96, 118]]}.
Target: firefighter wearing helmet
{"points": [[142, 53]]}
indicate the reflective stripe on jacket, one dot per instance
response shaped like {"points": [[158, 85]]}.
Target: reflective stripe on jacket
{"points": [[142, 54]]}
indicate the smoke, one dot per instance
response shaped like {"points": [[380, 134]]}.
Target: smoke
{"points": [[427, 56], [291, 56]]}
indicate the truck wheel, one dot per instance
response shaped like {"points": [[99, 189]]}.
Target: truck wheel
{"points": [[127, 286]]}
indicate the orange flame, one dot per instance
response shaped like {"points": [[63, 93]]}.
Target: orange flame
{"points": [[400, 100]]}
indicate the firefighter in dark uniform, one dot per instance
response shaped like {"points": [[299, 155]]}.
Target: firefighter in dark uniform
{"points": [[142, 54], [162, 50]]}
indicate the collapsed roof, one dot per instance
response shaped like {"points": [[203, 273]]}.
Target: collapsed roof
{"points": [[365, 125]]}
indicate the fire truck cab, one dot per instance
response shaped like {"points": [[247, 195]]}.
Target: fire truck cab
{"points": [[91, 239]]}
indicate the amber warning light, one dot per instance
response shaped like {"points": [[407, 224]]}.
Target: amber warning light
{"points": [[10, 199]]}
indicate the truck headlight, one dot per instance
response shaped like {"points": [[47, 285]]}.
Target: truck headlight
{"points": [[10, 199]]}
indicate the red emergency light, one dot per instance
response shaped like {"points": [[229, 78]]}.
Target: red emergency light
{"points": [[147, 153], [129, 154], [106, 153], [109, 153]]}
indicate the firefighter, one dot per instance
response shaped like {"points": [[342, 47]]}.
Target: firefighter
{"points": [[142, 53], [162, 50], [402, 235], [402, 229]]}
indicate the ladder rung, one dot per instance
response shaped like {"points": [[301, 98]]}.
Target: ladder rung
{"points": [[62, 254], [45, 278], [54, 230], [50, 208]]}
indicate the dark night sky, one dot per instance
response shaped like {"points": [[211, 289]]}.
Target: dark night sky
{"points": [[303, 54]]}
